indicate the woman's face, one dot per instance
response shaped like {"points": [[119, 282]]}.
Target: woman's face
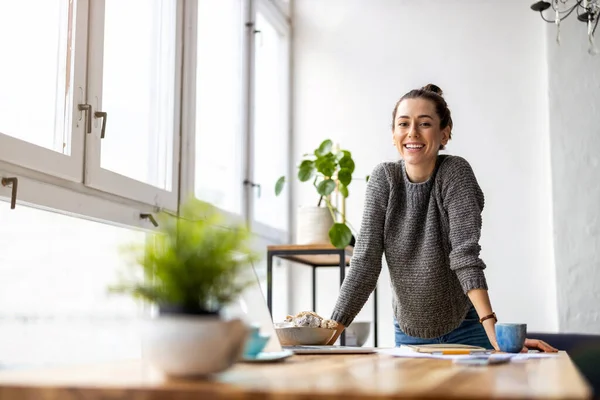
{"points": [[417, 134]]}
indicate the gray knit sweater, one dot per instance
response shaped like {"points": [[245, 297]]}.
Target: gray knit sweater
{"points": [[429, 233]]}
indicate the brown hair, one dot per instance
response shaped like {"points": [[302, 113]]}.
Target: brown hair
{"points": [[434, 94]]}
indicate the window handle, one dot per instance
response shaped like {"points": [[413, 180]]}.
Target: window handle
{"points": [[88, 120], [254, 185], [260, 36], [150, 218], [104, 116], [13, 197]]}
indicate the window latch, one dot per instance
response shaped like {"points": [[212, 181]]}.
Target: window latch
{"points": [[260, 36], [87, 109], [253, 185], [14, 182], [104, 116], [150, 218]]}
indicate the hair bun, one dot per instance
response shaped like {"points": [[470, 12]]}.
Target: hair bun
{"points": [[430, 87]]}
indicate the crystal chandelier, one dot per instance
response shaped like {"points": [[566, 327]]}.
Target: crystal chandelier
{"points": [[588, 11]]}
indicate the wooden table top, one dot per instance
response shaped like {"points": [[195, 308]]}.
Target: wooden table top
{"points": [[322, 260], [315, 377]]}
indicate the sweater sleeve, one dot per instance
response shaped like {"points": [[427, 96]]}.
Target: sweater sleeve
{"points": [[463, 202], [365, 265]]}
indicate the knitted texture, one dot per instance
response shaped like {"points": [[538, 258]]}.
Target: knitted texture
{"points": [[429, 233]]}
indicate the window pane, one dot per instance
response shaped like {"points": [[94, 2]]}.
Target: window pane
{"points": [[54, 305], [283, 6], [270, 122], [219, 130], [138, 89], [36, 71]]}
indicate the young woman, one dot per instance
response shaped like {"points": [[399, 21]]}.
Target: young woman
{"points": [[424, 213]]}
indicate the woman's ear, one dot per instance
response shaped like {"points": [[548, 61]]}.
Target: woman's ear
{"points": [[445, 135]]}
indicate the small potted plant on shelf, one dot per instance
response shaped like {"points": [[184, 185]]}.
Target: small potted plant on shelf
{"points": [[189, 270], [329, 170]]}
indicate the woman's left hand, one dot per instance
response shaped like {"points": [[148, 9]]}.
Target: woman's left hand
{"points": [[536, 344]]}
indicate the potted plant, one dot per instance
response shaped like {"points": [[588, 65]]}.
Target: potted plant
{"points": [[329, 170], [189, 270]]}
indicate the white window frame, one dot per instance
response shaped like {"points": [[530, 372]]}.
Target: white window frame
{"points": [[283, 6], [37, 158], [282, 25], [54, 194], [188, 109], [109, 181]]}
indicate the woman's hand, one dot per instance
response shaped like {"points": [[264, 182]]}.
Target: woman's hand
{"points": [[535, 344], [338, 331], [488, 326]]}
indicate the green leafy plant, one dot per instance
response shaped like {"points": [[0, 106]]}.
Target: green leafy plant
{"points": [[193, 262], [329, 170]]}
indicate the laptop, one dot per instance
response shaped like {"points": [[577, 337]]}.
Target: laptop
{"points": [[252, 308]]}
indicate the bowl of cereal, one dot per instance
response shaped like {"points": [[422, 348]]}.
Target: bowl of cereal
{"points": [[305, 328]]}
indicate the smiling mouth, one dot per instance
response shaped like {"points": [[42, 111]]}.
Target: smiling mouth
{"points": [[414, 147]]}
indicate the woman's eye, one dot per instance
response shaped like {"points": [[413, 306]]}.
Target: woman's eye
{"points": [[425, 124], [402, 124]]}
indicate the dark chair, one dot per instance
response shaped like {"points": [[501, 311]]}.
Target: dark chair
{"points": [[583, 349]]}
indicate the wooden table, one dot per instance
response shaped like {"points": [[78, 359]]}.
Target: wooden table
{"points": [[315, 256], [374, 376]]}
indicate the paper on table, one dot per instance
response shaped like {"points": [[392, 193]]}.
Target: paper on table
{"points": [[403, 352], [527, 356]]}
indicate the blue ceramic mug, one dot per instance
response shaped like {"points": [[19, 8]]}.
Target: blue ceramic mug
{"points": [[256, 342], [511, 337]]}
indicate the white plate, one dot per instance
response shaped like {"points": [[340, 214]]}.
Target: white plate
{"points": [[272, 356]]}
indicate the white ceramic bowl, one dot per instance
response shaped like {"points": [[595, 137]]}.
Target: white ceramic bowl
{"points": [[295, 336], [358, 332]]}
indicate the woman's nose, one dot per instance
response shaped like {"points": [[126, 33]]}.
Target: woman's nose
{"points": [[412, 131]]}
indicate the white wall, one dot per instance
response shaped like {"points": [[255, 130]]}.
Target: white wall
{"points": [[575, 136], [353, 59]]}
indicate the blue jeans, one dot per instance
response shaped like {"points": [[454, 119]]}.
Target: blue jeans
{"points": [[469, 332]]}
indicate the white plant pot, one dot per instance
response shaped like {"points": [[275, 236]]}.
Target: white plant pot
{"points": [[192, 345], [313, 225]]}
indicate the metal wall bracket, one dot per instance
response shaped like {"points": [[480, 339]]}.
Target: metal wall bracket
{"points": [[13, 182], [150, 218]]}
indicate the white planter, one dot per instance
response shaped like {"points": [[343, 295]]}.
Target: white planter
{"points": [[313, 224], [192, 345]]}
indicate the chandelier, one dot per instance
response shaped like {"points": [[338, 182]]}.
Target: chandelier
{"points": [[588, 11]]}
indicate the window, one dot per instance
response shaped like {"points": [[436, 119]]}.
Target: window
{"points": [[283, 6], [270, 131], [132, 78], [39, 120], [94, 108], [40, 126], [269, 145], [138, 87], [242, 112], [110, 86], [219, 104]]}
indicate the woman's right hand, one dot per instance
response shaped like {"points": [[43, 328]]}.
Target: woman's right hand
{"points": [[338, 331]]}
